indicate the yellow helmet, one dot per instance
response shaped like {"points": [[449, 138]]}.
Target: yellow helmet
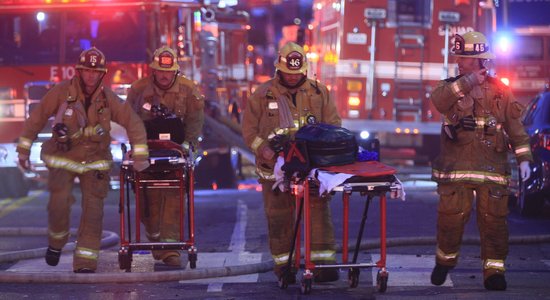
{"points": [[472, 44], [292, 59], [165, 59], [92, 59]]}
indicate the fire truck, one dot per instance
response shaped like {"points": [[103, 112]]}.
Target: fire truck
{"points": [[523, 60], [40, 41], [382, 58]]}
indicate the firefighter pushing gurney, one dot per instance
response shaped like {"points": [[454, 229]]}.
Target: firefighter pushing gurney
{"points": [[171, 107]]}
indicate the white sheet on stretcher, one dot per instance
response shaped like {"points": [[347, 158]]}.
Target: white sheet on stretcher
{"points": [[329, 180]]}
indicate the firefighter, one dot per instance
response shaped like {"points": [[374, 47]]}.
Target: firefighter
{"points": [[281, 106], [481, 119], [177, 95], [82, 108]]}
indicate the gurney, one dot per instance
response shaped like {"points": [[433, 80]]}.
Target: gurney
{"points": [[174, 169], [371, 179]]}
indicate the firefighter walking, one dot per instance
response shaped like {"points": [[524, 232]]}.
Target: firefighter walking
{"points": [[166, 92], [79, 148], [280, 107], [481, 119]]}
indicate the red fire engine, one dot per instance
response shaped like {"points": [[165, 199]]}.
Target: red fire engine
{"points": [[381, 59], [40, 41], [523, 60]]}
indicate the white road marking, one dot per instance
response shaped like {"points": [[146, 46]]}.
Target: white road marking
{"points": [[408, 270], [214, 287], [237, 256]]}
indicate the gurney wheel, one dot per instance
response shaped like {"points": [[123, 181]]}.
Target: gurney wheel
{"points": [[192, 257], [305, 287], [353, 277], [382, 281], [125, 260]]}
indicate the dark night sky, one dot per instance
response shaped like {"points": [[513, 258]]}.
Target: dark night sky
{"points": [[526, 13]]}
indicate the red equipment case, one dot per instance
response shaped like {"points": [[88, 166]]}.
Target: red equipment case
{"points": [[176, 166], [371, 179]]}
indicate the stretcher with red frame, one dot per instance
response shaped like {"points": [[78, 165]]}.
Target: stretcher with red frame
{"points": [[176, 166], [371, 179]]}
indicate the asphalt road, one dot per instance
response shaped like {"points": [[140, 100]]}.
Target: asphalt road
{"points": [[231, 230]]}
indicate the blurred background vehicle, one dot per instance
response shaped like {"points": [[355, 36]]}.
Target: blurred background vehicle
{"points": [[530, 196]]}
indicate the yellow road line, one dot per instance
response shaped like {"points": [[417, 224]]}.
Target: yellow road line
{"points": [[4, 202], [19, 203]]}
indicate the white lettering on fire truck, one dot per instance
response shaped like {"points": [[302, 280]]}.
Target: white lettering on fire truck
{"points": [[454, 30], [61, 73]]}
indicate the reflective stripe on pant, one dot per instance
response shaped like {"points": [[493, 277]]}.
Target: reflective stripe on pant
{"points": [[94, 186], [280, 212], [454, 210], [162, 224]]}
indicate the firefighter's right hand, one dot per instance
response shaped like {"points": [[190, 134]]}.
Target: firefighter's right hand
{"points": [[478, 77], [266, 153], [140, 165], [24, 161]]}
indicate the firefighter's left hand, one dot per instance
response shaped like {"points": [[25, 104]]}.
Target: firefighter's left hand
{"points": [[24, 161], [524, 170]]}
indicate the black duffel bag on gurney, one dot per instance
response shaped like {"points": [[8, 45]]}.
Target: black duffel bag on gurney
{"points": [[165, 126], [328, 145]]}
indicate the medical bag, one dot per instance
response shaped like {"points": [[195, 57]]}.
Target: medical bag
{"points": [[328, 145], [161, 128]]}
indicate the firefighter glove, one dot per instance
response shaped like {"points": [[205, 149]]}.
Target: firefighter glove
{"points": [[468, 123], [278, 142], [24, 162], [524, 170], [140, 165], [266, 153]]}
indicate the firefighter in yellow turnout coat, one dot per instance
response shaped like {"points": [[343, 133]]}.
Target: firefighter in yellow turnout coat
{"points": [[180, 96], [481, 118], [83, 109], [289, 98]]}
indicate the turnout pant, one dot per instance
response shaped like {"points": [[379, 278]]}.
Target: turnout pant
{"points": [[454, 209], [280, 210], [94, 186], [160, 214]]}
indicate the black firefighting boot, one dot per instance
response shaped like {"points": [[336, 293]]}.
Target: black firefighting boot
{"points": [[52, 256], [495, 282], [439, 274], [288, 274]]}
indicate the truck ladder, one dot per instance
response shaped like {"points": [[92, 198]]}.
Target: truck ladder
{"points": [[409, 64]]}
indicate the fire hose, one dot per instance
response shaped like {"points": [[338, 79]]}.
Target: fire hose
{"points": [[111, 239]]}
